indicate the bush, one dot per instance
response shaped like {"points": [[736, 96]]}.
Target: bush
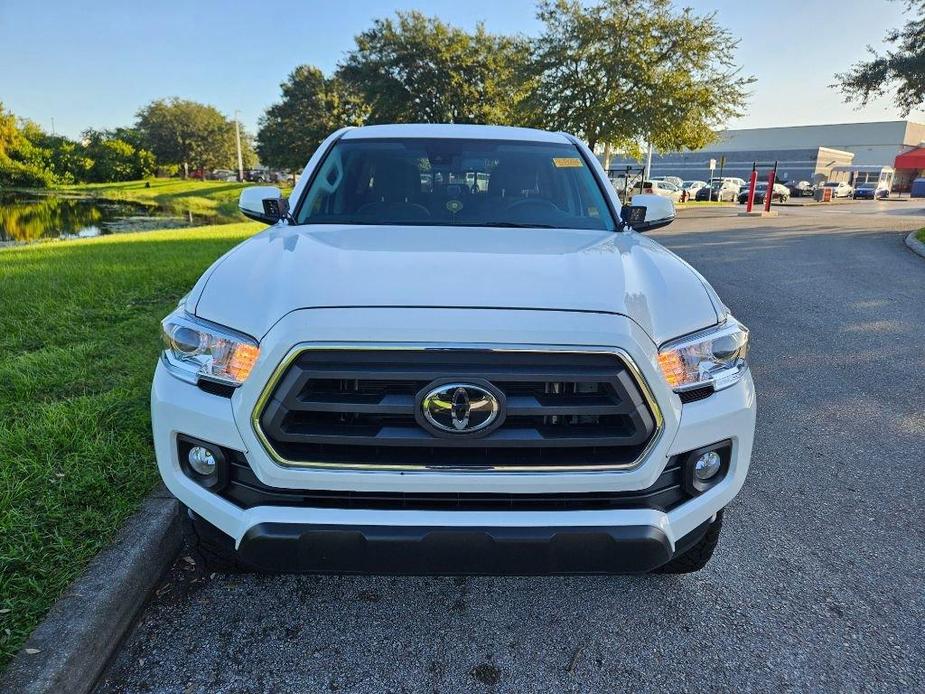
{"points": [[23, 175]]}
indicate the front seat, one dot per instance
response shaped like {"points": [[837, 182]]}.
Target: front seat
{"points": [[513, 178], [395, 185]]}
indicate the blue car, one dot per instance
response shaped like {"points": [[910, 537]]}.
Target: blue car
{"points": [[871, 191]]}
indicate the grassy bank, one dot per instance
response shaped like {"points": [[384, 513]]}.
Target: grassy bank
{"points": [[216, 200], [79, 338], [920, 235]]}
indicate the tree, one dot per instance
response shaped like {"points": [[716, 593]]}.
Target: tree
{"points": [[63, 158], [113, 158], [188, 134], [627, 72], [22, 162], [902, 69], [419, 69], [312, 107]]}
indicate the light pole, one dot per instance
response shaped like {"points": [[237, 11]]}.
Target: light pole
{"points": [[237, 142]]}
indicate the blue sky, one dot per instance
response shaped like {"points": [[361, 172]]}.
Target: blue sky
{"points": [[95, 63]]}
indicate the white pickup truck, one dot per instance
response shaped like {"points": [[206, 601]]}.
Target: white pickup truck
{"points": [[453, 352]]}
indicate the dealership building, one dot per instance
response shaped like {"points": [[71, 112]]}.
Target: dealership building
{"points": [[844, 151]]}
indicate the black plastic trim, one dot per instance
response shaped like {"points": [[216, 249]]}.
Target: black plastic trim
{"points": [[420, 550], [246, 491], [695, 394], [224, 390]]}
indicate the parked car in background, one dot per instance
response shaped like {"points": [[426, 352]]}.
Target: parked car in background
{"points": [[801, 189], [723, 190], [738, 182], [692, 187], [256, 176], [621, 181], [778, 194], [871, 191], [673, 180], [840, 189], [663, 188], [223, 175]]}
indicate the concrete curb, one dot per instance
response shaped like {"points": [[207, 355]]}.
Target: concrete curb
{"points": [[86, 625], [914, 244]]}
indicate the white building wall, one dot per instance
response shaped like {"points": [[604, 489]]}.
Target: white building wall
{"points": [[871, 143]]}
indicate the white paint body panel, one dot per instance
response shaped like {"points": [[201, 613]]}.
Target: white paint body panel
{"points": [[292, 286], [288, 268]]}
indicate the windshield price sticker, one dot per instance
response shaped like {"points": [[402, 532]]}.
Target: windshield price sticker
{"points": [[567, 162]]}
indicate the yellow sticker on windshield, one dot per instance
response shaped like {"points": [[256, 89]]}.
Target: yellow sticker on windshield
{"points": [[567, 162]]}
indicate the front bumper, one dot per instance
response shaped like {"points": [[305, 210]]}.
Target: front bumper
{"points": [[623, 540], [418, 550]]}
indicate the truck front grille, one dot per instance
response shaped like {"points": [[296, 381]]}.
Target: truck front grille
{"points": [[347, 408]]}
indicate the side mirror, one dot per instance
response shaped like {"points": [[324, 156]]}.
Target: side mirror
{"points": [[648, 212], [264, 204]]}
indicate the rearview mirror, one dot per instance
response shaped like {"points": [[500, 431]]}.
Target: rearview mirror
{"points": [[658, 212], [264, 204]]}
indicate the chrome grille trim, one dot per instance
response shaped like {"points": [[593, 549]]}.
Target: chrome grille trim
{"points": [[624, 358]]}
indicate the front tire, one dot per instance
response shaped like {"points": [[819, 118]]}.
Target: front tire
{"points": [[215, 548], [695, 557]]}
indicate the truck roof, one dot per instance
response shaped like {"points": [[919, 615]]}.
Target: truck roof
{"points": [[452, 130]]}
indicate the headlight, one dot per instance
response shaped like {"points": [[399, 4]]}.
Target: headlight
{"points": [[711, 357], [197, 349]]}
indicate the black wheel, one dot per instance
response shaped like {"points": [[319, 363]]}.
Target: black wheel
{"points": [[695, 557]]}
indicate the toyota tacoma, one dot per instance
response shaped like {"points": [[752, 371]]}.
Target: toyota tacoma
{"points": [[453, 350]]}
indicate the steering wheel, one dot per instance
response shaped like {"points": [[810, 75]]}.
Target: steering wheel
{"points": [[538, 204]]}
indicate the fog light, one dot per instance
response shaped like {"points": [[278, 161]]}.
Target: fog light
{"points": [[705, 467], [201, 460]]}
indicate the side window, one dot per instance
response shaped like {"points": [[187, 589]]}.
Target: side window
{"points": [[327, 188]]}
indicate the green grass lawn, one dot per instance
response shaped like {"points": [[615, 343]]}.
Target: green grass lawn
{"points": [[79, 339], [217, 200], [920, 235]]}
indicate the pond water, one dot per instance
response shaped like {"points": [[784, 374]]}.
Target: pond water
{"points": [[28, 217]]}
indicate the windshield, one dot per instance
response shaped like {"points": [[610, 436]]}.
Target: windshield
{"points": [[455, 182]]}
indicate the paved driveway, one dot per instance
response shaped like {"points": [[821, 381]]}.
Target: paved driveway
{"points": [[818, 579]]}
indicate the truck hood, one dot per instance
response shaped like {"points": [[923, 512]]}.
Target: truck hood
{"points": [[287, 268]]}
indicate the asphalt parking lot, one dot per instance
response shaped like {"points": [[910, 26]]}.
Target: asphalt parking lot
{"points": [[817, 583]]}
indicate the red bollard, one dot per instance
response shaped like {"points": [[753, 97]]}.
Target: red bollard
{"points": [[772, 177], [751, 190]]}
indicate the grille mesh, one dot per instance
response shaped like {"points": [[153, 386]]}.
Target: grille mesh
{"points": [[358, 407]]}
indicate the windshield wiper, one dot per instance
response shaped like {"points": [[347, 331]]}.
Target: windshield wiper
{"points": [[513, 225]]}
